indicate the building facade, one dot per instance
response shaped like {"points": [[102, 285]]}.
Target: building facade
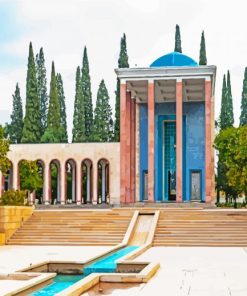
{"points": [[167, 131], [165, 152]]}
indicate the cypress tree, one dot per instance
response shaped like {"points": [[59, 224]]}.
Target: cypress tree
{"points": [[224, 118], [53, 131], [122, 63], [243, 116], [203, 56], [32, 122], [102, 116], [42, 88], [230, 115], [16, 125], [61, 98], [178, 46], [87, 97], [78, 132]]}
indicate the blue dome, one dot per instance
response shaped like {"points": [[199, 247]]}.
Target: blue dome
{"points": [[174, 59]]}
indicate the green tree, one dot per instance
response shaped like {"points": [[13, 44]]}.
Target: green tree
{"points": [[16, 125], [203, 56], [122, 63], [4, 148], [61, 98], [226, 116], [30, 178], [32, 122], [243, 116], [42, 88], [231, 144], [102, 116], [230, 116], [87, 97], [225, 121], [178, 47], [53, 132], [78, 132]]}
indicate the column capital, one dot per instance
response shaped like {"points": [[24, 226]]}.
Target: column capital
{"points": [[150, 80], [179, 80]]}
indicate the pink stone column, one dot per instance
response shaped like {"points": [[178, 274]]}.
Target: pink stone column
{"points": [[62, 183], [128, 149], [151, 109], [208, 143], [123, 135], [78, 176], [15, 176], [46, 188], [179, 141], [95, 183], [132, 149]]}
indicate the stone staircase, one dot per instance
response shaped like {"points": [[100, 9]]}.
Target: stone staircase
{"points": [[73, 227], [201, 228]]}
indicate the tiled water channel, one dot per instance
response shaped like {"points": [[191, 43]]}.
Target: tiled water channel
{"points": [[107, 265]]}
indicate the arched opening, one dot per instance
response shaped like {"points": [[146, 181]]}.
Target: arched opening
{"points": [[55, 190], [8, 179], [103, 181], [39, 196], [87, 173], [70, 171]]}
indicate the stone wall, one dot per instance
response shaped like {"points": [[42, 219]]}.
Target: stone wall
{"points": [[11, 218]]}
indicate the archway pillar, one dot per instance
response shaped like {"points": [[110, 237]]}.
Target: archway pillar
{"points": [[15, 176], [95, 183], [46, 190], [62, 183], [78, 183]]}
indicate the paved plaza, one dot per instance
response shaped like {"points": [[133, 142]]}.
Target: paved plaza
{"points": [[184, 271]]}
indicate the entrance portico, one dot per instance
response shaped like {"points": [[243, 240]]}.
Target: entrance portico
{"points": [[167, 125]]}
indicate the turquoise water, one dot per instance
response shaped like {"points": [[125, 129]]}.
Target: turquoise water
{"points": [[108, 264], [62, 282]]}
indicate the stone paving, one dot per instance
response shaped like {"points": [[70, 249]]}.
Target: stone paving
{"points": [[184, 271]]}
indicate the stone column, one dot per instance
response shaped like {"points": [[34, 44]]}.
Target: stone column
{"points": [[127, 151], [47, 184], [179, 141], [95, 183], [103, 195], [78, 183], [208, 143], [132, 149], [137, 142], [88, 165], [61, 182], [123, 135], [151, 113], [15, 176]]}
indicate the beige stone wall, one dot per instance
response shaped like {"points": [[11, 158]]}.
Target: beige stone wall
{"points": [[11, 218], [77, 152]]}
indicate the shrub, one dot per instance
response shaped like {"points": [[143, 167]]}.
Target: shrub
{"points": [[13, 198]]}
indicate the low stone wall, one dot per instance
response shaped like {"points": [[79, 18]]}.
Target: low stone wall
{"points": [[11, 218]]}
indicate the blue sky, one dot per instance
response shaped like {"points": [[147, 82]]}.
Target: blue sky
{"points": [[11, 29], [64, 27]]}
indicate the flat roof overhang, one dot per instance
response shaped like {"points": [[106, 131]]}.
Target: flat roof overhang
{"points": [[165, 79]]}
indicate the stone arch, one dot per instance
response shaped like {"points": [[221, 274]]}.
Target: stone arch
{"points": [[8, 178], [103, 183], [70, 180], [87, 180]]}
